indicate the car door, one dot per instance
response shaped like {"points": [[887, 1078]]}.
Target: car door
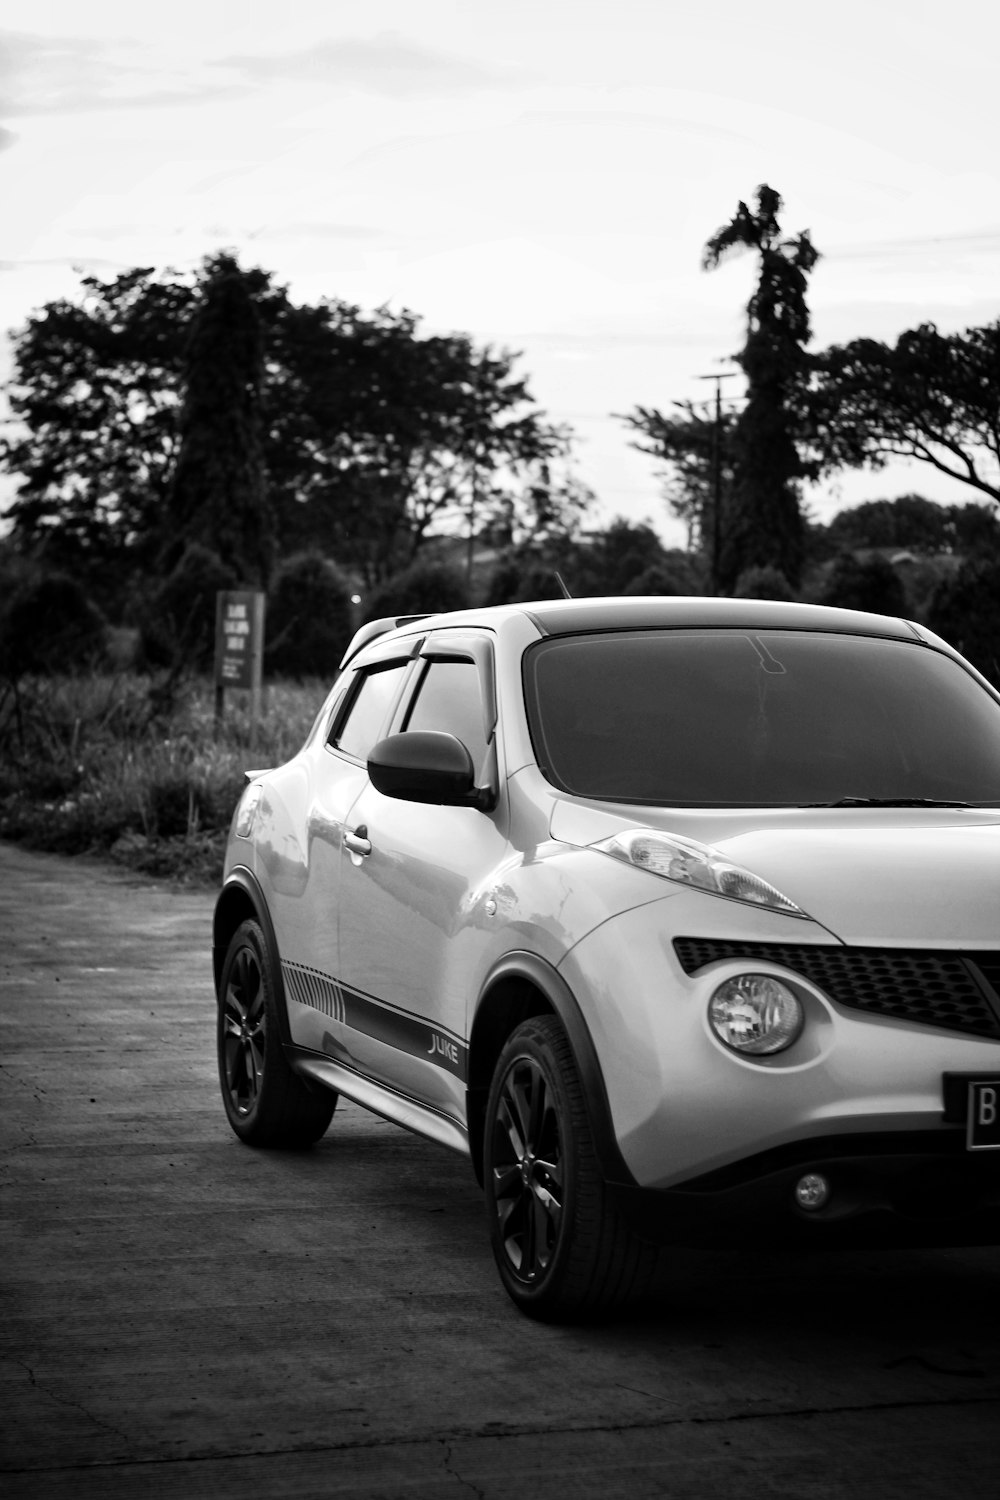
{"points": [[412, 891], [307, 918]]}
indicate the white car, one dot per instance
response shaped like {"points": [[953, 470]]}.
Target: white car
{"points": [[679, 917]]}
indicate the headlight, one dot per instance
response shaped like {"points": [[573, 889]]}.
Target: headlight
{"points": [[755, 1014], [695, 864]]}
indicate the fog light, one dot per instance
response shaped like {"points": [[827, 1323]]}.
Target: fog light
{"points": [[755, 1013], [812, 1191]]}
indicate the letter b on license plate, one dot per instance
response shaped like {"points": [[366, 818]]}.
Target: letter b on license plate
{"points": [[984, 1116]]}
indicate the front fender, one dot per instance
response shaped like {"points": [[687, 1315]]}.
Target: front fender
{"points": [[242, 899], [502, 1004]]}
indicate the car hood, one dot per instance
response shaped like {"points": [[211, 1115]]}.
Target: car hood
{"points": [[925, 877]]}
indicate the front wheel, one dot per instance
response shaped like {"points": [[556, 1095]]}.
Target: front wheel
{"points": [[559, 1240], [267, 1104]]}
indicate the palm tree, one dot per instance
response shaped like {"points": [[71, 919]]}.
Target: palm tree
{"points": [[765, 527]]}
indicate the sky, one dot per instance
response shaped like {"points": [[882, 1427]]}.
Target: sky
{"points": [[540, 175]]}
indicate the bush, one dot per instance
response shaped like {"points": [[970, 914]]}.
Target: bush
{"points": [[424, 588], [179, 626], [521, 576], [609, 562], [870, 584], [49, 625], [763, 583], [87, 765], [310, 619], [673, 575]]}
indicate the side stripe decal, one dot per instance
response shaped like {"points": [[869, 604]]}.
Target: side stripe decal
{"points": [[375, 1018], [310, 987]]}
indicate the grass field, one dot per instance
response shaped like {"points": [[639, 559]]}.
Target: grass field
{"points": [[110, 764]]}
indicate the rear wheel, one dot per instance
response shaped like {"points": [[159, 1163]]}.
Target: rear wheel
{"points": [[561, 1245], [266, 1103]]}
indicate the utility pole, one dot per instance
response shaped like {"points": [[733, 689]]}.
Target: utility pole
{"points": [[718, 377], [473, 498], [479, 431]]}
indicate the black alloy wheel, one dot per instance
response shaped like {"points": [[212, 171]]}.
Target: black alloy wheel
{"points": [[267, 1104], [242, 1026], [528, 1172], [561, 1246]]}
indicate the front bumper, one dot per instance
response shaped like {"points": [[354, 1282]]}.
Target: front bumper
{"points": [[896, 1188], [684, 1108]]}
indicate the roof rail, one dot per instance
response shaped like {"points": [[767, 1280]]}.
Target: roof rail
{"points": [[373, 630]]}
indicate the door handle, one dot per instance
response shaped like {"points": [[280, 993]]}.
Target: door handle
{"points": [[358, 843]]}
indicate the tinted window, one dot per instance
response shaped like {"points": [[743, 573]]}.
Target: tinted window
{"points": [[366, 714], [732, 717], [449, 698]]}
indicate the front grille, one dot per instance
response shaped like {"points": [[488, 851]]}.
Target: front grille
{"points": [[988, 965], [956, 991]]}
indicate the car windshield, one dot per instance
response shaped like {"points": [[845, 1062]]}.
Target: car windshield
{"points": [[760, 718]]}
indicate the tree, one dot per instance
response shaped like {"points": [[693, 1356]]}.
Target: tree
{"points": [[373, 437], [424, 588], [931, 396], [918, 525], [965, 610], [974, 528], [430, 435], [866, 583], [610, 560], [764, 523], [544, 514], [218, 490], [695, 450], [95, 397], [625, 558], [909, 521]]}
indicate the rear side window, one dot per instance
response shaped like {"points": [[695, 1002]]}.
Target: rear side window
{"points": [[359, 728]]}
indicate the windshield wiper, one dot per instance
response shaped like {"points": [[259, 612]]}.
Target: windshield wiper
{"points": [[890, 802]]}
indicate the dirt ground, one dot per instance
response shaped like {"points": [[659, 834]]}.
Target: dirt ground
{"points": [[184, 1317]]}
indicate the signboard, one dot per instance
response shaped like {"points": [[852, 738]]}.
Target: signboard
{"points": [[239, 650], [239, 639]]}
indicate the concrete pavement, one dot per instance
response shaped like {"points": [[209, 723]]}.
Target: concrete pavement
{"points": [[182, 1316]]}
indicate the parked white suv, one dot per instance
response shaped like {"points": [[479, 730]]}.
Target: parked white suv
{"points": [[679, 917]]}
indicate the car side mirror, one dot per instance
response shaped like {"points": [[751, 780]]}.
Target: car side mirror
{"points": [[427, 766]]}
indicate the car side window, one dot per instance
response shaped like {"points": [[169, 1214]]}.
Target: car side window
{"points": [[357, 730], [449, 698]]}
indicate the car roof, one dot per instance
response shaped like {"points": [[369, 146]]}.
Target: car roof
{"points": [[552, 617], [574, 616]]}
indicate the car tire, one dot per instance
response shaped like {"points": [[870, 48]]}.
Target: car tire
{"points": [[267, 1104], [561, 1245]]}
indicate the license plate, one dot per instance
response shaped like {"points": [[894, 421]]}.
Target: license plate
{"points": [[983, 1118]]}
